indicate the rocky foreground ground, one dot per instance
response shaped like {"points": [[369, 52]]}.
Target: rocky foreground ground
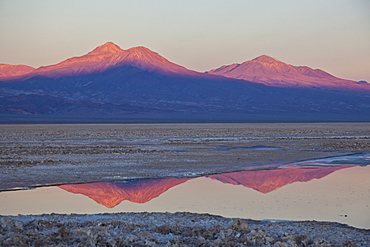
{"points": [[167, 229]]}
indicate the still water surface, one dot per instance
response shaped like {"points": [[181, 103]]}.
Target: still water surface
{"points": [[333, 189]]}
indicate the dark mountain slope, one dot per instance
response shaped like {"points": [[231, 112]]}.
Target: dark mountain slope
{"points": [[195, 98]]}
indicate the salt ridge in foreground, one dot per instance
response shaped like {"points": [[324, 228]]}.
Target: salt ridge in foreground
{"points": [[167, 229]]}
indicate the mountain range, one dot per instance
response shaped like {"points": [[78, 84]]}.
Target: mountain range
{"points": [[272, 72], [138, 85], [100, 59], [110, 194]]}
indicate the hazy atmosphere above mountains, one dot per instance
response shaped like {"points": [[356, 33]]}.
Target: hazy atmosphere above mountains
{"points": [[332, 35], [184, 61]]}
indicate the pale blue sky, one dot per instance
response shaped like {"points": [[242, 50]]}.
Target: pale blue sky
{"points": [[333, 35]]}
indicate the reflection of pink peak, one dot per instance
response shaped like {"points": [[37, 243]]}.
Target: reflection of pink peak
{"points": [[7, 70], [109, 56], [272, 72], [110, 194], [266, 181]]}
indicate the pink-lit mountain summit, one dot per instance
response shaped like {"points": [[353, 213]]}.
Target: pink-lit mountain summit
{"points": [[8, 71], [263, 69], [272, 72], [105, 57], [138, 84]]}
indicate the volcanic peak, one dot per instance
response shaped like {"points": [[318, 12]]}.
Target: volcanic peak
{"points": [[265, 59], [272, 72], [146, 55], [141, 52], [106, 56], [108, 47], [140, 49]]}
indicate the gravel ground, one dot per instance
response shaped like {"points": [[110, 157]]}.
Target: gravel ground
{"points": [[167, 229]]}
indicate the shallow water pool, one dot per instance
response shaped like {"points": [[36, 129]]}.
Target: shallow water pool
{"points": [[333, 189]]}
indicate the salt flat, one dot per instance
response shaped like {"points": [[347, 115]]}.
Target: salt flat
{"points": [[33, 155], [37, 155]]}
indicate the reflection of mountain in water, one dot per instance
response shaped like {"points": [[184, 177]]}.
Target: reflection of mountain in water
{"points": [[110, 194], [266, 181]]}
